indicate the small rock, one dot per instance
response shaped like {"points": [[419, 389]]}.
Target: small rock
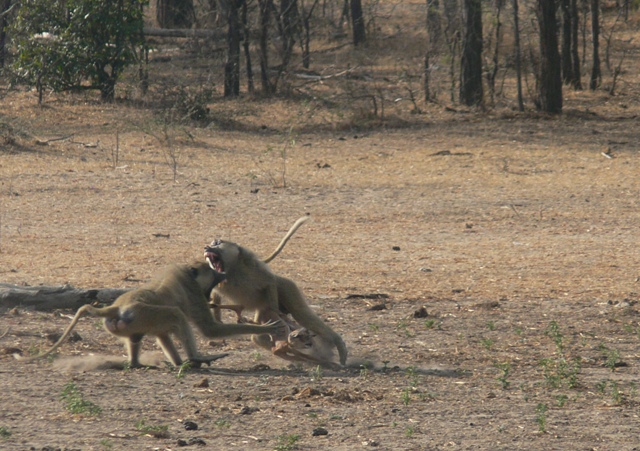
{"points": [[191, 441], [396, 248], [246, 410], [204, 383], [319, 431], [421, 313], [190, 425], [377, 307]]}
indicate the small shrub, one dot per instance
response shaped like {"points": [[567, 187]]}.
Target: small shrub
{"points": [[61, 44], [75, 403], [287, 442], [506, 369], [157, 431], [541, 417]]}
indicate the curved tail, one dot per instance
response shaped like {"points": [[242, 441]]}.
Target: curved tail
{"points": [[82, 311], [286, 238]]}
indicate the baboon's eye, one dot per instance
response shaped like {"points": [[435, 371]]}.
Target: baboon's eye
{"points": [[213, 244]]}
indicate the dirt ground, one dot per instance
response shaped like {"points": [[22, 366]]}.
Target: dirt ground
{"points": [[517, 234]]}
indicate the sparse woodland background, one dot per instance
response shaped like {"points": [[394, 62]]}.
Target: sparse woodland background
{"points": [[373, 55]]}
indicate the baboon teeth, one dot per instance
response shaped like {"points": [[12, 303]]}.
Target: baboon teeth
{"points": [[214, 262]]}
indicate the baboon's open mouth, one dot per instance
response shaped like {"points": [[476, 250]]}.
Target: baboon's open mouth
{"points": [[212, 257]]}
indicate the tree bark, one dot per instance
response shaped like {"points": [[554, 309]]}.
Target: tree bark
{"points": [[434, 26], [550, 76], [471, 93], [596, 74], [246, 44], [232, 66], [516, 33], [357, 20], [4, 23], [575, 56], [567, 65], [266, 7], [50, 298]]}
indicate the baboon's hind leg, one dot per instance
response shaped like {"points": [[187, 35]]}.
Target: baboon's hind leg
{"points": [[133, 350]]}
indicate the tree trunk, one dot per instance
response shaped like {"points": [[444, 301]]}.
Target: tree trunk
{"points": [[232, 66], [50, 298], [516, 33], [427, 78], [246, 43], [266, 7], [567, 64], [452, 14], [575, 56], [4, 23], [357, 20], [471, 63], [550, 76], [306, 33], [175, 13], [434, 26], [452, 36], [596, 74], [290, 27], [492, 72]]}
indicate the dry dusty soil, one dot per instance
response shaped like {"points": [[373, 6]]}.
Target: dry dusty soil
{"points": [[503, 246]]}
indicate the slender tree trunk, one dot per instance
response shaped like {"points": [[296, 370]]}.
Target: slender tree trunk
{"points": [[516, 32], [434, 26], [4, 23], [471, 93], [357, 20], [575, 54], [567, 64], [492, 72], [452, 14], [289, 15], [266, 6], [427, 77], [246, 44], [596, 74], [232, 66], [434, 42], [550, 76], [306, 33], [452, 35]]}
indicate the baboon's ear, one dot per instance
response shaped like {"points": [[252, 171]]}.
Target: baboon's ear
{"points": [[193, 271]]}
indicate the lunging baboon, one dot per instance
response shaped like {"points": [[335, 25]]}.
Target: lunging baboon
{"points": [[252, 285], [164, 306]]}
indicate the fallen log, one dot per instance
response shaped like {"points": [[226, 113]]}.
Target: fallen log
{"points": [[50, 298]]}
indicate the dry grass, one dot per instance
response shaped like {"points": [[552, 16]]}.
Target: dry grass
{"points": [[500, 224]]}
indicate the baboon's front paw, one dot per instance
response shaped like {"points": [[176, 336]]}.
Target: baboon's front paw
{"points": [[277, 328]]}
